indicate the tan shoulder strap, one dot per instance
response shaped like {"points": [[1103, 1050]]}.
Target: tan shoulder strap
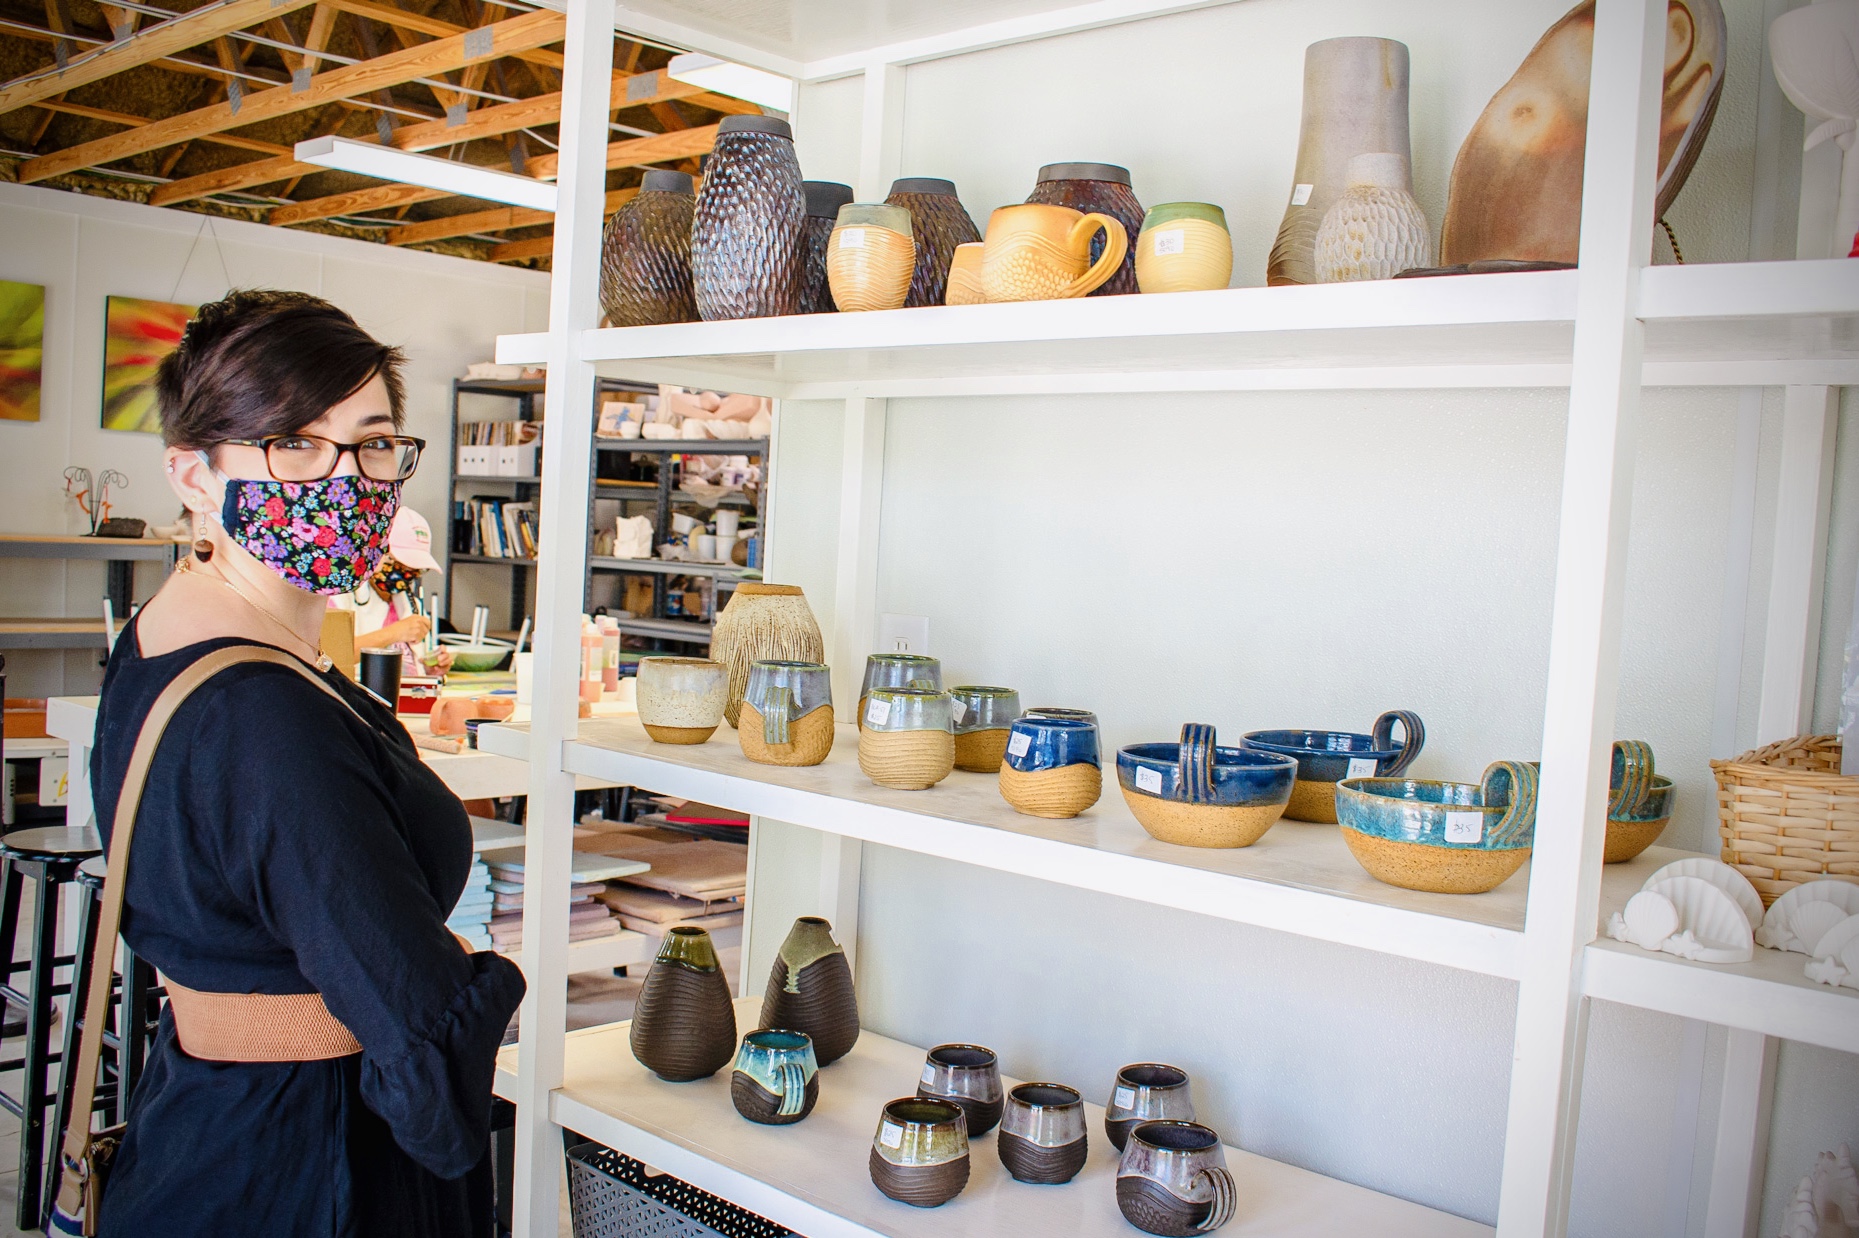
{"points": [[109, 919]]}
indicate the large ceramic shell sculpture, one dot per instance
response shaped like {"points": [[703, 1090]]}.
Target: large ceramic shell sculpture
{"points": [[1375, 230], [645, 256], [1516, 185], [746, 257]]}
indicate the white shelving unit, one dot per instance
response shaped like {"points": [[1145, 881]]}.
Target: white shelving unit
{"points": [[1601, 331]]}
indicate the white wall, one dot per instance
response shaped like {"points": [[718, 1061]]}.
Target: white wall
{"points": [[445, 312], [1291, 559]]}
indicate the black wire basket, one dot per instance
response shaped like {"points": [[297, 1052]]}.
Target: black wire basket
{"points": [[614, 1196]]}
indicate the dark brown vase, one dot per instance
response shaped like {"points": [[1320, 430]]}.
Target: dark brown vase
{"points": [[746, 232], [684, 1026], [1101, 187], [824, 198], [645, 257], [939, 224], [810, 990]]}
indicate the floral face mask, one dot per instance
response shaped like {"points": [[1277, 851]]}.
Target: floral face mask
{"points": [[322, 536]]}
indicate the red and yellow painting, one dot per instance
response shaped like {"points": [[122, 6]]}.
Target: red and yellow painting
{"points": [[22, 349], [137, 334]]}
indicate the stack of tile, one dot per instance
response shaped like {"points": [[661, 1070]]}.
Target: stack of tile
{"points": [[588, 918], [700, 882], [471, 918]]}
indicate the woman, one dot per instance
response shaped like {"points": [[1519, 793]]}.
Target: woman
{"points": [[383, 605], [289, 839]]}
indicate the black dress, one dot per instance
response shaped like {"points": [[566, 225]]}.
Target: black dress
{"points": [[286, 846]]}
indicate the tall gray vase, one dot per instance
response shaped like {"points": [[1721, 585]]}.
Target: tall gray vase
{"points": [[1355, 103], [746, 251]]}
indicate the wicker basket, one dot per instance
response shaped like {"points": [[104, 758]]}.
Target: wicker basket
{"points": [[1787, 815]]}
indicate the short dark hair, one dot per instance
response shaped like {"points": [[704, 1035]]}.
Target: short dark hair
{"points": [[261, 362]]}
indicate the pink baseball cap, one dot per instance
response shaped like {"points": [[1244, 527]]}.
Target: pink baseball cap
{"points": [[410, 541]]}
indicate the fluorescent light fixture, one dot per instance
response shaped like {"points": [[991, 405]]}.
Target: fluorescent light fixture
{"points": [[738, 81], [389, 164]]}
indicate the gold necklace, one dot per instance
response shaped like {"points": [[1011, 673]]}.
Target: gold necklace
{"points": [[320, 660]]}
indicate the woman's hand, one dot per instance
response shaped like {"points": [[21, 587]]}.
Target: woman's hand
{"points": [[411, 629], [438, 663]]}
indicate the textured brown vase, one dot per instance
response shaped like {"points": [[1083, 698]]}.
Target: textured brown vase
{"points": [[645, 256], [758, 1104], [684, 1026], [763, 621], [824, 198], [920, 1186], [939, 223], [1102, 188], [810, 990], [746, 231]]}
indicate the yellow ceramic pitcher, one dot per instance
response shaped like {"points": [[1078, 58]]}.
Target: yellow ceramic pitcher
{"points": [[1036, 252]]}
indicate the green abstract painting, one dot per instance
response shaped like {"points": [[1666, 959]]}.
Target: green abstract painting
{"points": [[137, 334], [22, 349]]}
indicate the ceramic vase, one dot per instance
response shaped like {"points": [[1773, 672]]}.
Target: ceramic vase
{"points": [[746, 230], [981, 716], [681, 699], [1355, 102], [906, 742], [776, 1080], [919, 1155], [787, 713], [1184, 247], [684, 1026], [1042, 1137], [869, 257], [940, 224], [1037, 252], [762, 621], [1102, 189], [1375, 230], [810, 990], [965, 276], [824, 198], [645, 256]]}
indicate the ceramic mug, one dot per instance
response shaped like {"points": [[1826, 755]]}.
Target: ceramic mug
{"points": [[981, 716], [965, 276], [870, 256], [1173, 1180], [1035, 252], [968, 1075], [776, 1079], [1042, 1137], [680, 700], [787, 716], [1051, 767], [919, 1155], [897, 670], [1184, 247], [1146, 1092]]}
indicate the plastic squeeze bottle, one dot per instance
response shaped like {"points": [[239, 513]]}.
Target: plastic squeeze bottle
{"points": [[609, 653], [591, 659]]}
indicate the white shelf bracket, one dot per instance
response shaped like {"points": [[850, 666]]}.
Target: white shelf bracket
{"points": [[1803, 498]]}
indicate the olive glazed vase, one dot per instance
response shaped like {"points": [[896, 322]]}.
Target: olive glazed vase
{"points": [[919, 1155], [776, 1079], [645, 256], [684, 1026], [810, 990], [746, 230], [1042, 1137], [1173, 1180]]}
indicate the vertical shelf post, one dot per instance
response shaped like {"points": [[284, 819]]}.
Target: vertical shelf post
{"points": [[567, 471], [1584, 645], [1803, 499]]}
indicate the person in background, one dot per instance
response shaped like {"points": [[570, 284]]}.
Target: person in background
{"points": [[383, 604]]}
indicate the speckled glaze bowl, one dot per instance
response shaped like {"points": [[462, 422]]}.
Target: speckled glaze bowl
{"points": [[1443, 837], [1051, 767], [1325, 758], [1196, 794], [919, 1155]]}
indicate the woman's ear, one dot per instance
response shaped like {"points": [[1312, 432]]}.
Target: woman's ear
{"points": [[193, 481]]}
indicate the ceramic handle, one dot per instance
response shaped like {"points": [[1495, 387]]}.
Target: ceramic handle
{"points": [[777, 713], [1630, 777], [1413, 739], [1116, 244], [928, 684], [1196, 763], [793, 1089], [1225, 1200], [1512, 783]]}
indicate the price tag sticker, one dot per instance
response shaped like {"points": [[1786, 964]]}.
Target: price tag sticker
{"points": [[891, 1135], [1300, 194], [1169, 241], [1124, 1098], [1020, 743], [929, 1074], [852, 238], [877, 712], [958, 710], [1149, 779], [1465, 827], [1361, 767]]}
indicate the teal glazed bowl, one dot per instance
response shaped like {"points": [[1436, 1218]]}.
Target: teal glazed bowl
{"points": [[1442, 837], [1325, 758], [1196, 794]]}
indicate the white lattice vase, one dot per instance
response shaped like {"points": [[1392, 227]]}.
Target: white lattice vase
{"points": [[1375, 230]]}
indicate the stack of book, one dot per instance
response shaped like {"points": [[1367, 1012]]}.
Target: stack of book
{"points": [[494, 528], [471, 918]]}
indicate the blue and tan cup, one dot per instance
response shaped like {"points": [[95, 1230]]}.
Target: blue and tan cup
{"points": [[1443, 837], [907, 740], [776, 1079], [1325, 758], [787, 713], [1197, 794], [897, 670], [1051, 767], [981, 716]]}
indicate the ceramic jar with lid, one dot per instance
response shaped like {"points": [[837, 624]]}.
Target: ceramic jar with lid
{"points": [[645, 256], [746, 230], [940, 224], [1096, 188], [824, 198]]}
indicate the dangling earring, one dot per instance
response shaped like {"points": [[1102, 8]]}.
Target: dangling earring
{"points": [[203, 548]]}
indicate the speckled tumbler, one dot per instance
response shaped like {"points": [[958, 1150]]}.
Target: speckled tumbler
{"points": [[746, 255]]}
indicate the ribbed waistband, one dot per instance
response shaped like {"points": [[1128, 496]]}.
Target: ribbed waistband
{"points": [[257, 1027]]}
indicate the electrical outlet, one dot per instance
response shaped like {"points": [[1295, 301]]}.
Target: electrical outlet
{"points": [[903, 634]]}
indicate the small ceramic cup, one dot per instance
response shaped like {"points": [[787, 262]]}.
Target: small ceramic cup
{"points": [[787, 713], [869, 257], [1443, 837], [1173, 1180], [1051, 767], [906, 742], [965, 276], [681, 699], [968, 1075], [897, 670], [919, 1155], [1146, 1092], [1062, 711], [1184, 247], [1042, 1138], [1325, 758], [1197, 794], [776, 1079], [981, 716]]}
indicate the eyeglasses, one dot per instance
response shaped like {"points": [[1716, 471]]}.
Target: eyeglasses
{"points": [[308, 457]]}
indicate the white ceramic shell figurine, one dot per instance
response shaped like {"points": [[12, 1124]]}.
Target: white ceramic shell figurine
{"points": [[1375, 230], [1801, 1221], [1836, 1192]]}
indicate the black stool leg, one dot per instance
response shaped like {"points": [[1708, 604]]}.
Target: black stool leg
{"points": [[138, 1013], [33, 1086], [9, 942], [67, 1073]]}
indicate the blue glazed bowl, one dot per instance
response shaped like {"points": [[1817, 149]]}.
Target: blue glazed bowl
{"points": [[1444, 837], [1325, 758], [1034, 743], [1198, 794]]}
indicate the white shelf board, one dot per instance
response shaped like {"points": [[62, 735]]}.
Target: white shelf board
{"points": [[1732, 323], [599, 954], [812, 1176]]}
